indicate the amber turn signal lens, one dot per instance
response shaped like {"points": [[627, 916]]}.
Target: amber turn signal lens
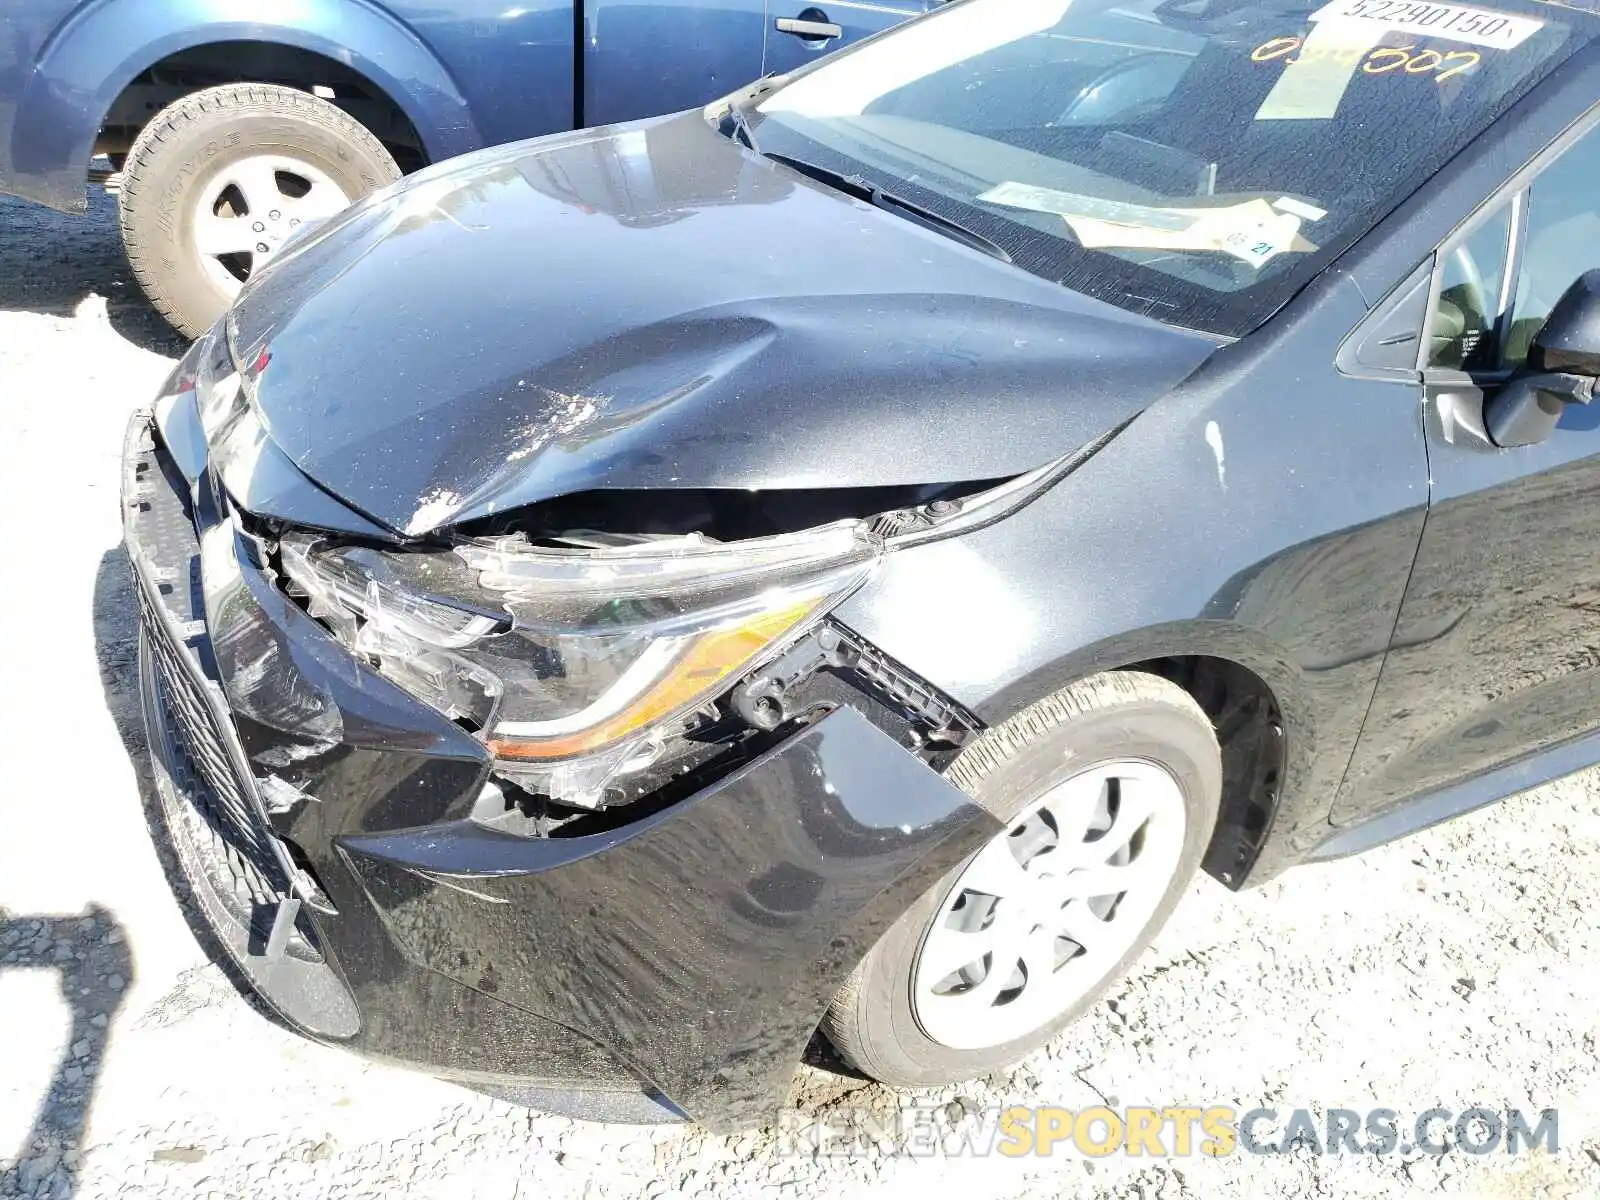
{"points": [[697, 673]]}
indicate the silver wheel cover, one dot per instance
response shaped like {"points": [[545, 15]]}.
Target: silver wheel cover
{"points": [[248, 208], [1049, 906]]}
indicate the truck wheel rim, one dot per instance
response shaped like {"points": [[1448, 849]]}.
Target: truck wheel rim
{"points": [[250, 207], [1051, 905]]}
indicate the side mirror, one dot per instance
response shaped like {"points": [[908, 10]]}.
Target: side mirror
{"points": [[1569, 340], [1563, 368]]}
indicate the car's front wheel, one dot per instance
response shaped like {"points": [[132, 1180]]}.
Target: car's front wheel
{"points": [[1108, 791], [218, 180]]}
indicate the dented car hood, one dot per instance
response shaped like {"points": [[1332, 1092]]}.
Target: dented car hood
{"points": [[655, 306]]}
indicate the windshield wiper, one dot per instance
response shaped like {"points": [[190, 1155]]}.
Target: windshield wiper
{"points": [[865, 189], [735, 124]]}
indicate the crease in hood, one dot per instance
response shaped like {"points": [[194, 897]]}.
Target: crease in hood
{"points": [[654, 306]]}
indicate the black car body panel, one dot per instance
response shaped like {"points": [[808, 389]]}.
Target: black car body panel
{"points": [[1303, 596], [727, 324], [1283, 513], [1306, 596], [701, 943], [490, 958], [1498, 600], [266, 483]]}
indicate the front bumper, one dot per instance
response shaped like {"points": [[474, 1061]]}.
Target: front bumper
{"points": [[319, 816]]}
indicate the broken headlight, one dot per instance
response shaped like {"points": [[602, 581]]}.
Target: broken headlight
{"points": [[577, 661]]}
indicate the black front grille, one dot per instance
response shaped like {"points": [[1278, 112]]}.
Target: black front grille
{"points": [[215, 813], [240, 859], [202, 755]]}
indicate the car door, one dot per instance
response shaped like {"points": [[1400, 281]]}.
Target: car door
{"points": [[642, 58], [512, 62], [1496, 653], [800, 30]]}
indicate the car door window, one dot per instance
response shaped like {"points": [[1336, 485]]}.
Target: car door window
{"points": [[1485, 321], [1562, 242], [1472, 289]]}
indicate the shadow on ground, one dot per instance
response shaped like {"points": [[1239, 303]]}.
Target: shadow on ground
{"points": [[89, 953], [51, 262]]}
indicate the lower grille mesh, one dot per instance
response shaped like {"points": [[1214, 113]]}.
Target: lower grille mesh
{"points": [[224, 826]]}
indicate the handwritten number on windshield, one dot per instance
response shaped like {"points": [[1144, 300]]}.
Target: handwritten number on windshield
{"points": [[1383, 61]]}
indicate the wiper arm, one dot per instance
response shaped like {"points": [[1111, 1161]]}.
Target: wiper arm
{"points": [[736, 124], [865, 189]]}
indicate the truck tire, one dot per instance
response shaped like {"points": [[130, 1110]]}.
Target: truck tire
{"points": [[219, 179], [1108, 791]]}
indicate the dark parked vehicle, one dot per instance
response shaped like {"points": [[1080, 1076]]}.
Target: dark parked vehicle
{"points": [[847, 579], [229, 126]]}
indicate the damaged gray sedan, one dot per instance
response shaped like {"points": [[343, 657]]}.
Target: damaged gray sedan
{"points": [[622, 608]]}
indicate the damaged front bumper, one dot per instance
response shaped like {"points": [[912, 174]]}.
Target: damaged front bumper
{"points": [[673, 965]]}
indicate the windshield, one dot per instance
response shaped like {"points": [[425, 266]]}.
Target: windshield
{"points": [[1196, 160]]}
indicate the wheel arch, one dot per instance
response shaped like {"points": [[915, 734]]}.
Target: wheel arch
{"points": [[91, 60], [1260, 703]]}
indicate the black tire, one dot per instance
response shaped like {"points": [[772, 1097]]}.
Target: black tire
{"points": [[185, 145], [1122, 715]]}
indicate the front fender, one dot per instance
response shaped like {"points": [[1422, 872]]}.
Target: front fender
{"points": [[1266, 512], [87, 62]]}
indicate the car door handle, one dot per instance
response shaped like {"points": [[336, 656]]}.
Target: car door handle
{"points": [[808, 29]]}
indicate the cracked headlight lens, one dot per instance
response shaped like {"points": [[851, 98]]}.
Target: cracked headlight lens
{"points": [[576, 661]]}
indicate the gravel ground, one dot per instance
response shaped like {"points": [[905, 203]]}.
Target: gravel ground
{"points": [[1452, 969]]}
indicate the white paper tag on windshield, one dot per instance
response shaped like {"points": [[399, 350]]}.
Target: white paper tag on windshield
{"points": [[1052, 200], [1254, 230], [1452, 22], [1306, 212]]}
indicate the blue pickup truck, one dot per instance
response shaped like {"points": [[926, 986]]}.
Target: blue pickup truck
{"points": [[229, 125]]}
